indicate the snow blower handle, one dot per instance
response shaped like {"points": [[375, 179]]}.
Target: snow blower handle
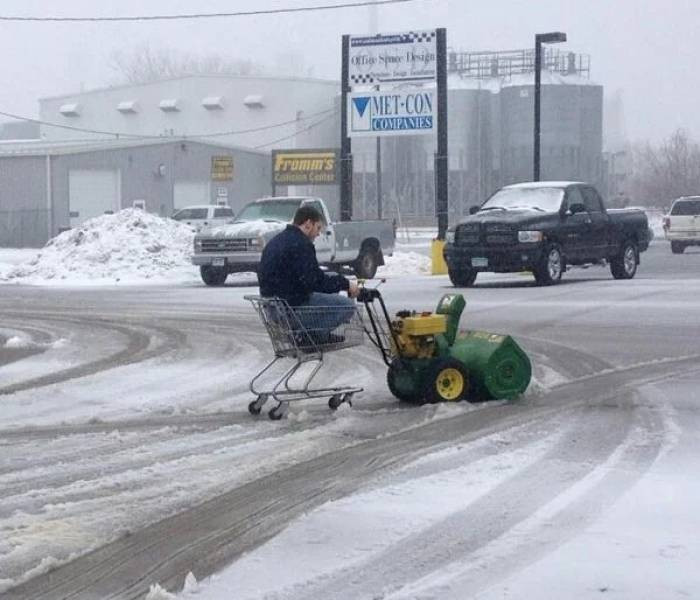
{"points": [[368, 295]]}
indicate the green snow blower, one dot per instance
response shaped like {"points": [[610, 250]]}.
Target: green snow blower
{"points": [[429, 360]]}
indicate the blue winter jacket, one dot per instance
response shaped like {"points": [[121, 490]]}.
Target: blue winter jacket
{"points": [[289, 269]]}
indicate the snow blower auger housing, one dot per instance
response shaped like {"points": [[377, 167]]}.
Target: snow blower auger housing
{"points": [[430, 360]]}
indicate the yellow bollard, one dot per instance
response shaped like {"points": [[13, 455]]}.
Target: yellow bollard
{"points": [[439, 266]]}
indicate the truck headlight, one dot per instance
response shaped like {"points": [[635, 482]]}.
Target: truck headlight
{"points": [[450, 236], [197, 245], [256, 243], [529, 236]]}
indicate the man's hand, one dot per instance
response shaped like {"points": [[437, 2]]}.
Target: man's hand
{"points": [[353, 290]]}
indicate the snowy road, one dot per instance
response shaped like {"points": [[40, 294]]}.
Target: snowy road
{"points": [[128, 457]]}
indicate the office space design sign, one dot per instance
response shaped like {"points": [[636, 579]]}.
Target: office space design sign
{"points": [[392, 58], [398, 112], [305, 167]]}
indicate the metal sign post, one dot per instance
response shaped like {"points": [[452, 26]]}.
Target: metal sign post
{"points": [[345, 146], [441, 163]]}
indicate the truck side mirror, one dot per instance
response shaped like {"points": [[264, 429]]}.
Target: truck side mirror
{"points": [[568, 211], [473, 209]]}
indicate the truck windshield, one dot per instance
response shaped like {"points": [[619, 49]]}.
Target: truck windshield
{"points": [[282, 210], [190, 213], [686, 207], [543, 199]]}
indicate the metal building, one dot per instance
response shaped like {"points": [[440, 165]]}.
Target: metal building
{"points": [[46, 188], [252, 111]]}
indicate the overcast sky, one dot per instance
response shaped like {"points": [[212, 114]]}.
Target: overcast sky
{"points": [[648, 49]]}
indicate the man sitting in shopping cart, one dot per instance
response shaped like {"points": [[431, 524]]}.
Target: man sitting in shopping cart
{"points": [[289, 270]]}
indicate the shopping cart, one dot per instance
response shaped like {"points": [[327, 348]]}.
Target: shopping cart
{"points": [[301, 335]]}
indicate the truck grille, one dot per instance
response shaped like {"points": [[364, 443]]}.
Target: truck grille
{"points": [[471, 234], [500, 239], [467, 234], [225, 245]]}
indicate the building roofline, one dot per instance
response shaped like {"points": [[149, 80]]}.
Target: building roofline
{"points": [[199, 76], [63, 147]]}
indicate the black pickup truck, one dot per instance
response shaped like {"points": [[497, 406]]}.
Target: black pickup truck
{"points": [[543, 227]]}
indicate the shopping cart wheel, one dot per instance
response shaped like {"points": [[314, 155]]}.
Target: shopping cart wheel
{"points": [[335, 401], [277, 412], [256, 405]]}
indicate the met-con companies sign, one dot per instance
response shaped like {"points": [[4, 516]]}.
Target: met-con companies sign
{"points": [[399, 112], [387, 58], [305, 167]]}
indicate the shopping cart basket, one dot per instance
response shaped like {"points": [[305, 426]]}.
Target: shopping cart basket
{"points": [[302, 334]]}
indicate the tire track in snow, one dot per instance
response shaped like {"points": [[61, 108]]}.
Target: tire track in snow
{"points": [[217, 544], [599, 435], [136, 350], [375, 463], [555, 523], [209, 536]]}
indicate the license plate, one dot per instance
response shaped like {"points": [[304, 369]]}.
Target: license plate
{"points": [[218, 262], [480, 262]]}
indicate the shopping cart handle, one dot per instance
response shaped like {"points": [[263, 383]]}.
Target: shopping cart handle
{"points": [[368, 295]]}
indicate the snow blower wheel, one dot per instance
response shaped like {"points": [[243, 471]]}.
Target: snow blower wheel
{"points": [[447, 381], [401, 383]]}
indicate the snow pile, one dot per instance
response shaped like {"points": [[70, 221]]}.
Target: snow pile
{"points": [[17, 341], [9, 257], [23, 342], [156, 592], [129, 245], [133, 246], [405, 263]]}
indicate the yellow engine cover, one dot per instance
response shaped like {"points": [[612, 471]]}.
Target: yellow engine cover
{"points": [[430, 324]]}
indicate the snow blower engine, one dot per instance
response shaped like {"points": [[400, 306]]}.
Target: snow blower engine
{"points": [[430, 360]]}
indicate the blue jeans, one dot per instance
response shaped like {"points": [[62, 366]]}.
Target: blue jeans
{"points": [[322, 313]]}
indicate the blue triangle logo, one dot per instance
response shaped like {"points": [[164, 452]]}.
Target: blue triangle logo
{"points": [[361, 104]]}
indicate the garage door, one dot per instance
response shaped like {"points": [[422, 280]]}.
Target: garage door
{"points": [[187, 193], [92, 193]]}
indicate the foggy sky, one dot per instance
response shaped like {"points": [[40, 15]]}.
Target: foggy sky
{"points": [[647, 49]]}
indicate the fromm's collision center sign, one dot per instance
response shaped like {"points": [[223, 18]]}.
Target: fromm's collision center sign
{"points": [[305, 167]]}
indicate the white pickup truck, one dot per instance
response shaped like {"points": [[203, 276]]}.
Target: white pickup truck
{"points": [[682, 224], [237, 246]]}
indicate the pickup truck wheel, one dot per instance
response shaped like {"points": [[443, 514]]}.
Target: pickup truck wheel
{"points": [[213, 275], [365, 266], [624, 265], [677, 247], [549, 271], [462, 277]]}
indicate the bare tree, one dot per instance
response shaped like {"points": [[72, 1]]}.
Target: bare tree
{"points": [[660, 174], [143, 65]]}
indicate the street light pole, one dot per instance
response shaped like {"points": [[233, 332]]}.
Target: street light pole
{"points": [[541, 38]]}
